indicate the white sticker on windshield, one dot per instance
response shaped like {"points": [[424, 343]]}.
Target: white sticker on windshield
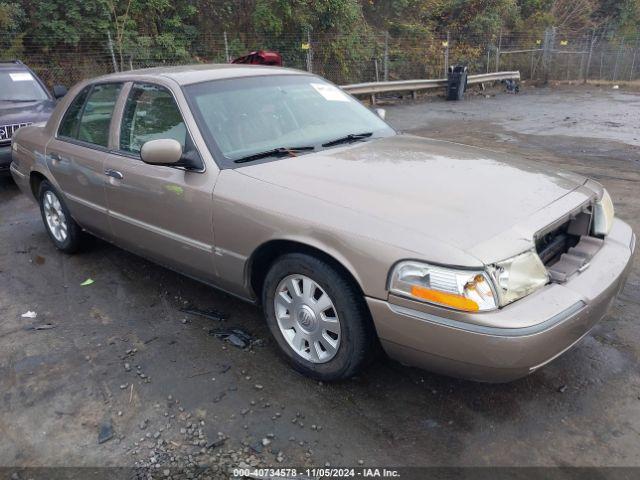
{"points": [[329, 92], [21, 77]]}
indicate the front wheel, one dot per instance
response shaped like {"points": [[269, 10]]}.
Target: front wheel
{"points": [[318, 317], [65, 233]]}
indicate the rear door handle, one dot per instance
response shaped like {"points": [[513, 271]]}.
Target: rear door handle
{"points": [[55, 158], [109, 172]]}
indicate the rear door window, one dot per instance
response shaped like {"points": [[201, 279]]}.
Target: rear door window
{"points": [[96, 115]]}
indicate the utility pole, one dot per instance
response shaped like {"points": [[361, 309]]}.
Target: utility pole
{"points": [[533, 56], [633, 61], [618, 55], [549, 44], [113, 55], [446, 55], [584, 52], [591, 44], [386, 56], [488, 57], [226, 47], [309, 53], [498, 51]]}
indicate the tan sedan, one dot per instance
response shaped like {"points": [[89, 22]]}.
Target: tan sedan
{"points": [[275, 186]]}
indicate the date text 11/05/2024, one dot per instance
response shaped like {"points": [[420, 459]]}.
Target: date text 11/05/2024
{"points": [[317, 472]]}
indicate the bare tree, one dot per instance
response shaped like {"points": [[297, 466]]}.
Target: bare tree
{"points": [[120, 25], [574, 15]]}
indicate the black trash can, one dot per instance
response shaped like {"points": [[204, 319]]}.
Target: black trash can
{"points": [[456, 82]]}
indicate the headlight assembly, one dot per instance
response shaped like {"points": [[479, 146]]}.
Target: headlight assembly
{"points": [[470, 290], [603, 214], [466, 290]]}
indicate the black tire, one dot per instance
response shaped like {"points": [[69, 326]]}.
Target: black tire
{"points": [[358, 338], [74, 236]]}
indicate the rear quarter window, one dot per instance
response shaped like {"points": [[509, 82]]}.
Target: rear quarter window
{"points": [[71, 119]]}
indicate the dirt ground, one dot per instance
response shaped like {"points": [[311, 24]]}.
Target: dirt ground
{"points": [[123, 356]]}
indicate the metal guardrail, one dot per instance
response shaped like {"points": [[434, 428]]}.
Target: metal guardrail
{"points": [[395, 86], [372, 88], [493, 77]]}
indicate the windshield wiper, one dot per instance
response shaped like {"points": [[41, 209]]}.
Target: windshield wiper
{"points": [[352, 137], [275, 152], [18, 100]]}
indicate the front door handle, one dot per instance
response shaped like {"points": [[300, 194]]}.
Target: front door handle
{"points": [[109, 172]]}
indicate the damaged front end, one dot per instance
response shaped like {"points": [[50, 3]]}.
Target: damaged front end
{"points": [[567, 248]]}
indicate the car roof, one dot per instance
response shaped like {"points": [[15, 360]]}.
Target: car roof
{"points": [[188, 74]]}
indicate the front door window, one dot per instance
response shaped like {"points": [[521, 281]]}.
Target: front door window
{"points": [[150, 113]]}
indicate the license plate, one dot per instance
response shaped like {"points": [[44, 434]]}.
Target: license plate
{"points": [[7, 131]]}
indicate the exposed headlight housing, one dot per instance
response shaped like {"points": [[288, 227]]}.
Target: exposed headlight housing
{"points": [[470, 290], [466, 290], [519, 276], [603, 214]]}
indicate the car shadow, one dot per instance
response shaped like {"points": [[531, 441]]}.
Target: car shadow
{"points": [[8, 188]]}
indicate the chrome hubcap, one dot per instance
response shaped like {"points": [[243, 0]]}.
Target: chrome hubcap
{"points": [[307, 318], [53, 214]]}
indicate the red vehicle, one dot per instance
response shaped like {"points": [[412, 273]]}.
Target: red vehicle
{"points": [[261, 57]]}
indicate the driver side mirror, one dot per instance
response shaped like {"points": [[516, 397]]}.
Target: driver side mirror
{"points": [[164, 151], [381, 112], [167, 151], [59, 91]]}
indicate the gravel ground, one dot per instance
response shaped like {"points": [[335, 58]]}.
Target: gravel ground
{"points": [[115, 373]]}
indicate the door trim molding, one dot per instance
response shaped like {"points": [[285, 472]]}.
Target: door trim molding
{"points": [[161, 231], [146, 226], [86, 203]]}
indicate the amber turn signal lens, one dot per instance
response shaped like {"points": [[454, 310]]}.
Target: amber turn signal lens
{"points": [[447, 299]]}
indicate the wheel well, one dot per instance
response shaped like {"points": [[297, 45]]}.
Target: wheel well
{"points": [[35, 180], [267, 253]]}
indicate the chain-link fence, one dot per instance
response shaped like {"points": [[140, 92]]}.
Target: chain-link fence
{"points": [[545, 55], [552, 55]]}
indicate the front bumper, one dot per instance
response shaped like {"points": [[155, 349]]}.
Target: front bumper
{"points": [[516, 340]]}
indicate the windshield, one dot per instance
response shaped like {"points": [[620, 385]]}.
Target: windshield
{"points": [[20, 86], [242, 117]]}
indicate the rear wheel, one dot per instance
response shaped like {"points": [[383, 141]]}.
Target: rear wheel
{"points": [[318, 317], [65, 233]]}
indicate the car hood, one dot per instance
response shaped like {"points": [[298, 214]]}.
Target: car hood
{"points": [[480, 201], [12, 113]]}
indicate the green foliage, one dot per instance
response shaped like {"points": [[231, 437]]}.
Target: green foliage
{"points": [[11, 16], [175, 24], [346, 35], [54, 22], [338, 24], [619, 16], [11, 19], [158, 30]]}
